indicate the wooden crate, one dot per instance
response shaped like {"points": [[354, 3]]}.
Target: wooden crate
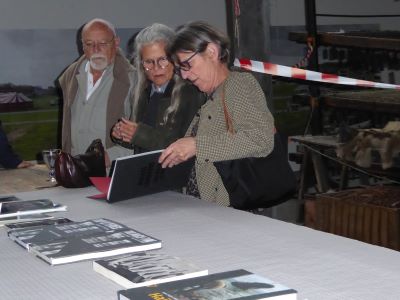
{"points": [[371, 215]]}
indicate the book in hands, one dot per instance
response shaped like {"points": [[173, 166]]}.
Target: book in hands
{"points": [[141, 174], [146, 268], [76, 241], [29, 207], [237, 284]]}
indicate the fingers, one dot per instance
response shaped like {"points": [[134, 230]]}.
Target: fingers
{"points": [[171, 156], [165, 157], [24, 164], [178, 152], [124, 130], [116, 131]]}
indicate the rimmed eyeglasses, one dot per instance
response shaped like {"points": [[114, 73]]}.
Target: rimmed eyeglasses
{"points": [[149, 64], [185, 65], [102, 45]]}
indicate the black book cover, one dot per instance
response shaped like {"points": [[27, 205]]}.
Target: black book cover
{"points": [[141, 174], [15, 208], [5, 199], [237, 284], [75, 241], [9, 198], [146, 268], [40, 222], [15, 219]]}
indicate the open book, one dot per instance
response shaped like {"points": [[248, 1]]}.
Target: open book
{"points": [[139, 175]]}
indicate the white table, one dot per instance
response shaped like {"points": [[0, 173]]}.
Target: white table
{"points": [[317, 264]]}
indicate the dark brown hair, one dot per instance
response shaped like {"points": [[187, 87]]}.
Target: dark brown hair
{"points": [[195, 36]]}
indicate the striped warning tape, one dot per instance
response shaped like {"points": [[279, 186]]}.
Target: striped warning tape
{"points": [[284, 71]]}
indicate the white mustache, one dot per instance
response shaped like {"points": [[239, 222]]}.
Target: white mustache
{"points": [[98, 61], [98, 56]]}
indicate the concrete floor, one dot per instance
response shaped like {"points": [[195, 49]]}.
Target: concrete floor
{"points": [[290, 211]]}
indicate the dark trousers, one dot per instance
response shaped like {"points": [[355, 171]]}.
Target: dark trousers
{"points": [[8, 159]]}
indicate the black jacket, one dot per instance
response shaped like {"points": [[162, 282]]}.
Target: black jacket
{"points": [[159, 136]]}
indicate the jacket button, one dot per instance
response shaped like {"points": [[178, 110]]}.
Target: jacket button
{"points": [[207, 160], [209, 117]]}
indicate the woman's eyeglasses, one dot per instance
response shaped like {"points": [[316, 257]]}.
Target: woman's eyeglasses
{"points": [[185, 65], [149, 64]]}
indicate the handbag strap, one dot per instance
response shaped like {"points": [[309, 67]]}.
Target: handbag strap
{"points": [[228, 119]]}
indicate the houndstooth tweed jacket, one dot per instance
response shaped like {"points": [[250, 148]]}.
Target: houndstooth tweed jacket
{"points": [[252, 121]]}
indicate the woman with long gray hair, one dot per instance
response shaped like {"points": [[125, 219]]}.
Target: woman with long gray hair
{"points": [[164, 105]]}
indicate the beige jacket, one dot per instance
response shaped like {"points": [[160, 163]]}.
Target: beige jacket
{"points": [[121, 86], [252, 121]]}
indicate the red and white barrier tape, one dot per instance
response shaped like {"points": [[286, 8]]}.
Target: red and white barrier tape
{"points": [[290, 72]]}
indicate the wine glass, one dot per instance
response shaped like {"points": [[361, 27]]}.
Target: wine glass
{"points": [[49, 157]]}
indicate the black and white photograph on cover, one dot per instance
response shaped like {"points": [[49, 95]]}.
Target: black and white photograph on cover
{"points": [[77, 248], [146, 268], [75, 241], [235, 284], [228, 288]]}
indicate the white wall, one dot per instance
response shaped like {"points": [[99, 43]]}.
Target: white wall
{"points": [[291, 12], [38, 37], [70, 14]]}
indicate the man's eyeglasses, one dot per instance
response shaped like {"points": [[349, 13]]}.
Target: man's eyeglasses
{"points": [[185, 65], [149, 64], [100, 45]]}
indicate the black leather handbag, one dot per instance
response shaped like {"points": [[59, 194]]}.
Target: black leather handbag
{"points": [[74, 171], [257, 182]]}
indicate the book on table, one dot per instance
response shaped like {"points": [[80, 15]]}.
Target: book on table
{"points": [[236, 284], [76, 241], [9, 198], [24, 219], [37, 222], [29, 207], [139, 175], [146, 268]]}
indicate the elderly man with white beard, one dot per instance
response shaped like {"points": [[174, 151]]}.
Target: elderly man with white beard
{"points": [[97, 91]]}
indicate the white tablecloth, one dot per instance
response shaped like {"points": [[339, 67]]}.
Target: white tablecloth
{"points": [[318, 265]]}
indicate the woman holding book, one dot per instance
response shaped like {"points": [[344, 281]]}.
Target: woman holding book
{"points": [[200, 53], [164, 104]]}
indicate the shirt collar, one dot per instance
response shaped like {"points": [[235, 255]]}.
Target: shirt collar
{"points": [[161, 89]]}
